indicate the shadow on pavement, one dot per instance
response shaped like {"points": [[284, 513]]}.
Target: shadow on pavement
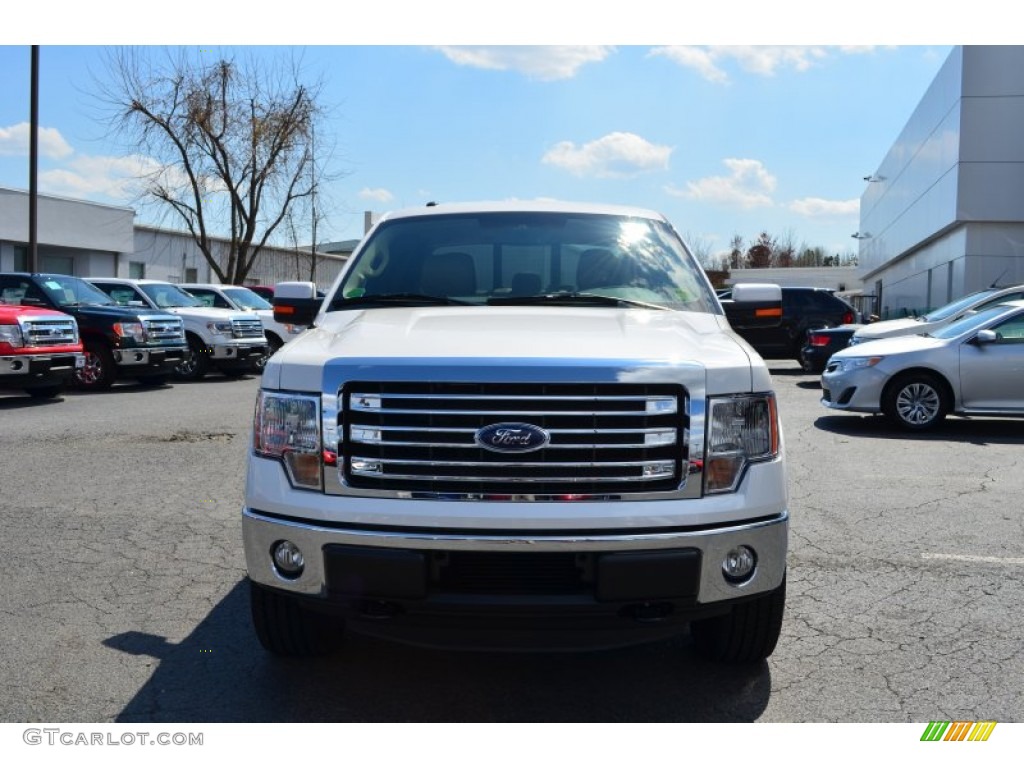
{"points": [[978, 431], [219, 673]]}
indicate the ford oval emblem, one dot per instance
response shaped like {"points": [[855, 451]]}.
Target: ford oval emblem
{"points": [[512, 438]]}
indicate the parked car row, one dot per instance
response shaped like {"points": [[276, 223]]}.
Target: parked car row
{"points": [[57, 330]]}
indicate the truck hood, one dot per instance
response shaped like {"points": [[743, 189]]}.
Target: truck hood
{"points": [[562, 334], [209, 314], [114, 313]]}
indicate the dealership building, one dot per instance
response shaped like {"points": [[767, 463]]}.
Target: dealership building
{"points": [[943, 214], [87, 239]]}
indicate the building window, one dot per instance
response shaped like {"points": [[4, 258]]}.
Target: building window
{"points": [[61, 265], [191, 275], [20, 258], [137, 270]]}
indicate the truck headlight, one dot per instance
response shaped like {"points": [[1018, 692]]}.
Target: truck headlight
{"points": [[134, 331], [11, 335], [222, 328], [741, 430], [287, 427]]}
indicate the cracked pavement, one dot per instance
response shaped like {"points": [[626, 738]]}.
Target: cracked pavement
{"points": [[125, 601]]}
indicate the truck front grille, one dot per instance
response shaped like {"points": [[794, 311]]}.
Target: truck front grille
{"points": [[431, 437], [165, 329], [50, 333], [247, 329]]}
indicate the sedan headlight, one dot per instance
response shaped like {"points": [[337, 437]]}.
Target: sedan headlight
{"points": [[741, 430], [11, 335], [853, 363], [287, 427]]}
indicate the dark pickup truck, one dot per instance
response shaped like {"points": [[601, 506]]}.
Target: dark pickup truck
{"points": [[119, 342]]}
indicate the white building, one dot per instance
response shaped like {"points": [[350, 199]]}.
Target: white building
{"points": [[86, 239], [943, 214]]}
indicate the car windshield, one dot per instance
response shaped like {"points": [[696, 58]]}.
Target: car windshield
{"points": [[66, 291], [166, 295], [951, 309], [969, 323], [246, 299], [525, 258]]}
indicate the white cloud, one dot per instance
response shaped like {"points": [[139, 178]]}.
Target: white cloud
{"points": [[617, 155], [764, 60], [749, 185], [543, 62], [379, 195], [815, 207], [14, 140], [118, 178]]}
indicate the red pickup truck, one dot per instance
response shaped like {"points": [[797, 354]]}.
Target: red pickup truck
{"points": [[39, 350]]}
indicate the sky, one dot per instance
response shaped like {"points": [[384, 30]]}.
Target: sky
{"points": [[725, 139]]}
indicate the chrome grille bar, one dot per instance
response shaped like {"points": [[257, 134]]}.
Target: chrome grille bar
{"points": [[602, 438]]}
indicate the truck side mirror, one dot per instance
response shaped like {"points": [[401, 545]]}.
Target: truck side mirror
{"points": [[296, 303], [754, 305]]}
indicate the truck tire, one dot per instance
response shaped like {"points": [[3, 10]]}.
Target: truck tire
{"points": [[99, 370], [285, 627], [745, 635], [196, 363]]}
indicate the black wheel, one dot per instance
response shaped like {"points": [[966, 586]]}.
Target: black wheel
{"points": [[285, 627], [916, 401], [45, 393], [196, 363], [153, 381], [747, 634], [99, 370]]}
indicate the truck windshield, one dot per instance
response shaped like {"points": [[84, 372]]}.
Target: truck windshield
{"points": [[243, 298], [527, 258], [66, 291], [168, 295]]}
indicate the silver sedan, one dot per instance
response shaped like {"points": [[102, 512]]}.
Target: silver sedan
{"points": [[974, 366]]}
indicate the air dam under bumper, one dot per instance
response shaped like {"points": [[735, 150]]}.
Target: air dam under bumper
{"points": [[496, 590]]}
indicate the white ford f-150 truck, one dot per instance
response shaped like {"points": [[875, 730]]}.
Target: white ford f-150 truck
{"points": [[518, 424]]}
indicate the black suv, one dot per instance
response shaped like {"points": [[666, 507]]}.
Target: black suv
{"points": [[803, 310]]}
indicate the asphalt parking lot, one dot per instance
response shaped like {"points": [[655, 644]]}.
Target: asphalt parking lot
{"points": [[125, 597]]}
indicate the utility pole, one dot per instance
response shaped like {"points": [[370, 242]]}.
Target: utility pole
{"points": [[312, 201], [33, 164]]}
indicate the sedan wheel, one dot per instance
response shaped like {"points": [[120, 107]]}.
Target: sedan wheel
{"points": [[916, 402]]}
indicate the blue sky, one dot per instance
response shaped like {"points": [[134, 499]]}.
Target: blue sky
{"points": [[724, 139]]}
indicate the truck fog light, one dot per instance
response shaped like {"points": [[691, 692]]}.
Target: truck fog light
{"points": [[739, 563], [288, 559]]}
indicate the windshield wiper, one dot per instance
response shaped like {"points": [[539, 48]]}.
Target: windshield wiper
{"points": [[571, 297], [396, 299]]}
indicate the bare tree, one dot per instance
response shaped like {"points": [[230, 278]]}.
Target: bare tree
{"points": [[231, 143], [737, 259], [700, 247]]}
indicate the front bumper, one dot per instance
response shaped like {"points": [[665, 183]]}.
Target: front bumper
{"points": [[226, 353], [411, 585], [140, 360], [857, 390], [17, 371]]}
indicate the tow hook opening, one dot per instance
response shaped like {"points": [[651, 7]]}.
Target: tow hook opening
{"points": [[377, 610], [646, 613]]}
